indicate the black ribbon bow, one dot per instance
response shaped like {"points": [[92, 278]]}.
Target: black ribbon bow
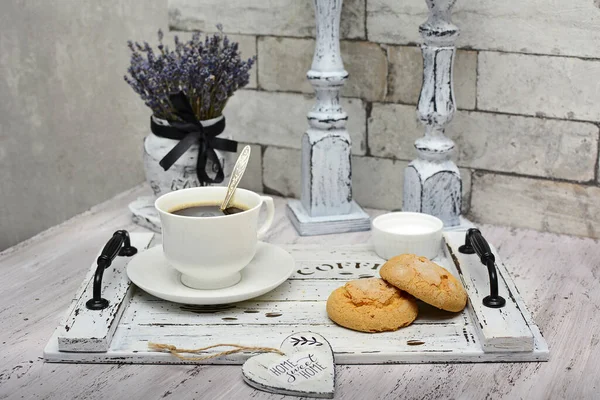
{"points": [[189, 131]]}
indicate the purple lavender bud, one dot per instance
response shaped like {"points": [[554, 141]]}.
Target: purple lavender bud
{"points": [[208, 71]]}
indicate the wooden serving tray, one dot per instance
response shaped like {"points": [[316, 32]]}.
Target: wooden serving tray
{"points": [[120, 333]]}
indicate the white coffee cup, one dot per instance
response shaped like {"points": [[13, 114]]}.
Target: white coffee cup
{"points": [[210, 252]]}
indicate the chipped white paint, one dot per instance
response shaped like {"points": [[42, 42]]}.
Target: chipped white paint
{"points": [[307, 368], [499, 329], [144, 213], [298, 303], [326, 173], [355, 220], [432, 182], [326, 200], [181, 175], [92, 330], [435, 336]]}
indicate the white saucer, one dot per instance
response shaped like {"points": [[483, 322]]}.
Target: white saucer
{"points": [[269, 268]]}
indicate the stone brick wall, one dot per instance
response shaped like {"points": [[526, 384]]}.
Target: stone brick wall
{"points": [[527, 88]]}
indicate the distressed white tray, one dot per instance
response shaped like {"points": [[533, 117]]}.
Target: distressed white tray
{"points": [[121, 333]]}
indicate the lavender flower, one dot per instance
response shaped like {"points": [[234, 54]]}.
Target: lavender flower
{"points": [[208, 72]]}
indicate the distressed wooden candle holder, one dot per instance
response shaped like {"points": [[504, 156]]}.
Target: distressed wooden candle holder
{"points": [[326, 204], [432, 182]]}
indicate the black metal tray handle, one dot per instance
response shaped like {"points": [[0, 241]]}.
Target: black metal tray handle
{"points": [[476, 243], [119, 244]]}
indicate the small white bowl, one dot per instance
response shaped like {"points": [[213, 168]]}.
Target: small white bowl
{"points": [[407, 232]]}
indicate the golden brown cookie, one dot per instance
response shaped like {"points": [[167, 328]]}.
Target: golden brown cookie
{"points": [[371, 305], [425, 280]]}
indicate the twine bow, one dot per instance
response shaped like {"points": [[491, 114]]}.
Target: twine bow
{"points": [[191, 131]]}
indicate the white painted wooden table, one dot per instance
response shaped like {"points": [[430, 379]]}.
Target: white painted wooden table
{"points": [[558, 276]]}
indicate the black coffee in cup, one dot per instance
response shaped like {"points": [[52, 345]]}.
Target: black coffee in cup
{"points": [[206, 210]]}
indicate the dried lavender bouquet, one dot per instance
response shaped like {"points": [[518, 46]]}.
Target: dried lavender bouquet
{"points": [[207, 71]]}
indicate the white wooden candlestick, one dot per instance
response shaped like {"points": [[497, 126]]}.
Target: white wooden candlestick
{"points": [[432, 182], [326, 204]]}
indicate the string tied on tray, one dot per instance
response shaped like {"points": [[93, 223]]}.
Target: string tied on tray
{"points": [[177, 352]]}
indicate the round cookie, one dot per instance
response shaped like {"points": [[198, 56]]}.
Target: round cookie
{"points": [[371, 305], [426, 281]]}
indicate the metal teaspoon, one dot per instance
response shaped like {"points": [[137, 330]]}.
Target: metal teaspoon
{"points": [[236, 177]]}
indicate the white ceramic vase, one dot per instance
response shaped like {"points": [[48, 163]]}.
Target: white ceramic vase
{"points": [[182, 173]]}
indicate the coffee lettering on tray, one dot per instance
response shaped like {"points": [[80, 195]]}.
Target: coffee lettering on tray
{"points": [[325, 265], [301, 272]]}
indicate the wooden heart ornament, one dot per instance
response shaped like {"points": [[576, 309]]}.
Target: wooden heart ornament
{"points": [[307, 369]]}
